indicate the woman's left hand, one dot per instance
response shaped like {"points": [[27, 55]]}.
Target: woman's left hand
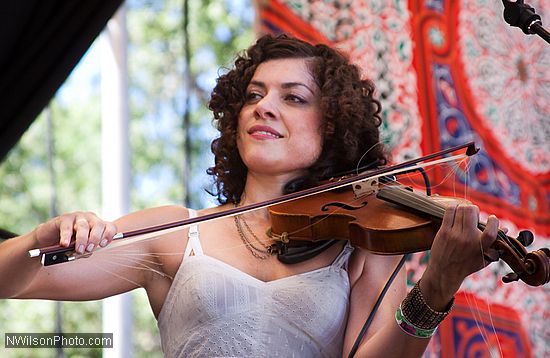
{"points": [[458, 250]]}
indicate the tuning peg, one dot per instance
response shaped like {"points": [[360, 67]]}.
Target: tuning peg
{"points": [[511, 277], [526, 237]]}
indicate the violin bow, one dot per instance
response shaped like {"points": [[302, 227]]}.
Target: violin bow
{"points": [[57, 254]]}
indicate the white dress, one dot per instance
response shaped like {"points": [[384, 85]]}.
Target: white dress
{"points": [[215, 310]]}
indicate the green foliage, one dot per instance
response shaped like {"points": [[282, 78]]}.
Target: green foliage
{"points": [[27, 195], [25, 317], [27, 192], [24, 190], [158, 92], [157, 88], [82, 317], [146, 337]]}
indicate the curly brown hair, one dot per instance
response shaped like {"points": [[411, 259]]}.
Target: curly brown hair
{"points": [[351, 115]]}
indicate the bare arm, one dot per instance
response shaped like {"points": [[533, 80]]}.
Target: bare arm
{"points": [[384, 338], [456, 252], [105, 273]]}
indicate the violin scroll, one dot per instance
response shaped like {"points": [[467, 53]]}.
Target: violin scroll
{"points": [[533, 267]]}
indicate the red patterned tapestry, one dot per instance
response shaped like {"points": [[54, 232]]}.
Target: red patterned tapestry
{"points": [[448, 72], [493, 328]]}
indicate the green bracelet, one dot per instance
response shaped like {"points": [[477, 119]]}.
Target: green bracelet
{"points": [[410, 328]]}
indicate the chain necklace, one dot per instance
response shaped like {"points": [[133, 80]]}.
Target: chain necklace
{"points": [[262, 252]]}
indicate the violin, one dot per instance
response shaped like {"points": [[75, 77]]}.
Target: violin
{"points": [[391, 220], [394, 221]]}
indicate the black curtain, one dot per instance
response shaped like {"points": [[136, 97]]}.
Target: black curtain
{"points": [[41, 41]]}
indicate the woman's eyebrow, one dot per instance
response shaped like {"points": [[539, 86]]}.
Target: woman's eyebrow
{"points": [[296, 84], [284, 85], [256, 83]]}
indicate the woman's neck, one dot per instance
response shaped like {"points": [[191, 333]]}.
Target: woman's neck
{"points": [[260, 188]]}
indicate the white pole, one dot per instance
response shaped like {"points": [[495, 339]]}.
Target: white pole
{"points": [[117, 310]]}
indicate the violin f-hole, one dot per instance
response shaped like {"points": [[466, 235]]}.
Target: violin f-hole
{"points": [[344, 206]]}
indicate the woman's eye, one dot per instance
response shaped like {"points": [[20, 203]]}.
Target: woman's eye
{"points": [[294, 98], [252, 96]]}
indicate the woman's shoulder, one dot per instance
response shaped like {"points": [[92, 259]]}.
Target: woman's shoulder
{"points": [[152, 216], [172, 210], [214, 209], [162, 215]]}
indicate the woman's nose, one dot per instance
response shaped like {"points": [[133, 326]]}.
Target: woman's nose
{"points": [[265, 108]]}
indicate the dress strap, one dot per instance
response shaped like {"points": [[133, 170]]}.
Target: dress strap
{"points": [[342, 259], [193, 247]]}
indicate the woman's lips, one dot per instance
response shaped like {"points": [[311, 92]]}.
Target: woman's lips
{"points": [[264, 132]]}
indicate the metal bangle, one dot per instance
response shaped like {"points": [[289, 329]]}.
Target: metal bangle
{"points": [[418, 313]]}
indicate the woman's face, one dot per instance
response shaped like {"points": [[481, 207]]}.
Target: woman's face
{"points": [[279, 129]]}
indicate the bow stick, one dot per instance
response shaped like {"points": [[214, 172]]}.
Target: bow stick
{"points": [[58, 254]]}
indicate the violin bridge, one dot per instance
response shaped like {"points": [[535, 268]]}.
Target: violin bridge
{"points": [[366, 187]]}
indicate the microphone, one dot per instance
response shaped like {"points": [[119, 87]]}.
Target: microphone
{"points": [[519, 14]]}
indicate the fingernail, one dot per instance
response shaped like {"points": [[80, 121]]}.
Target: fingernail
{"points": [[103, 243], [90, 247], [80, 249]]}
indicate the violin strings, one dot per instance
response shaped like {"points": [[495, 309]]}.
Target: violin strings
{"points": [[139, 263], [354, 200], [122, 246], [129, 257], [428, 203], [429, 207], [142, 263], [414, 201], [117, 275], [481, 327], [364, 154], [478, 319], [438, 211], [493, 328], [431, 169], [151, 237], [501, 235]]}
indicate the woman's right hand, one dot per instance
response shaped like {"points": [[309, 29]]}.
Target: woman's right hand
{"points": [[88, 231]]}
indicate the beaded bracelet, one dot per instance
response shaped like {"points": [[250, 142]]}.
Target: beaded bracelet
{"points": [[415, 317], [410, 328]]}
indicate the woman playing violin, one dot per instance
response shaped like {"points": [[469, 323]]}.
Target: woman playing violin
{"points": [[288, 113]]}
